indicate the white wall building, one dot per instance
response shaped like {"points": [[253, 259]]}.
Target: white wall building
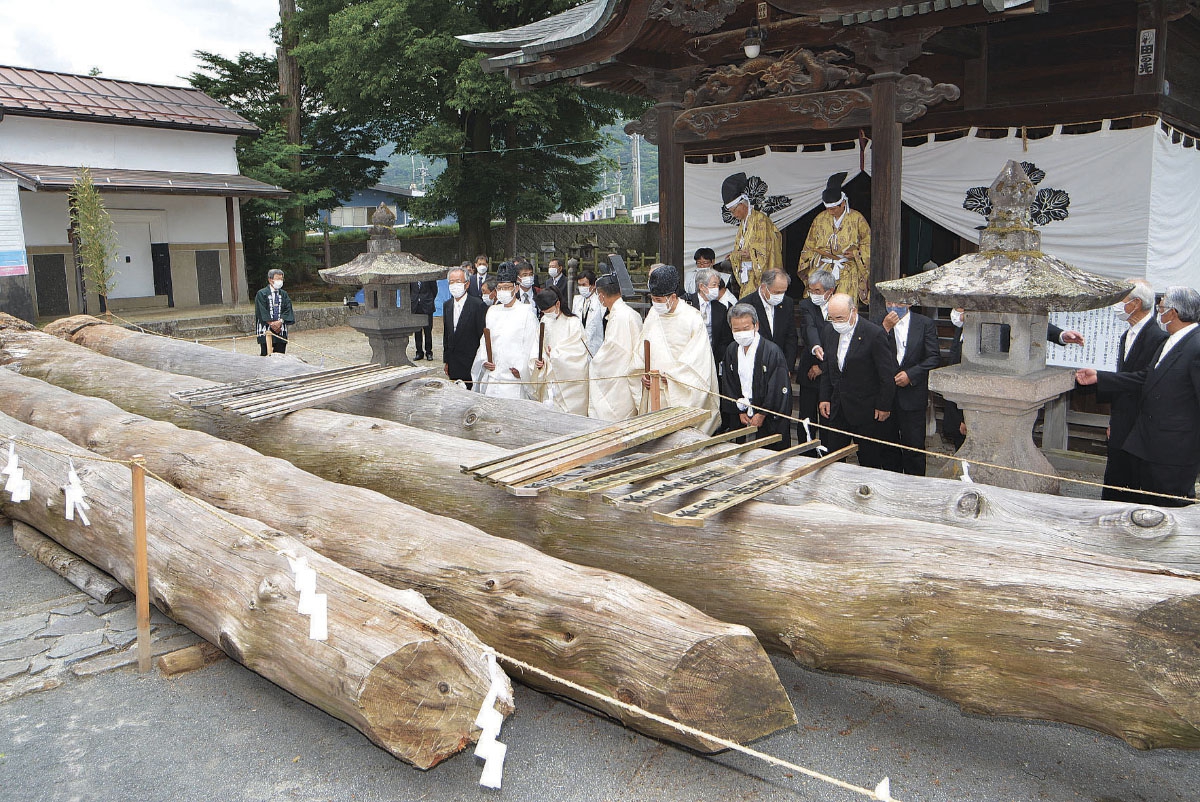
{"points": [[163, 159]]}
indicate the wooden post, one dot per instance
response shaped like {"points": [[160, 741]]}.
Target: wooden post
{"points": [[886, 155], [269, 339], [670, 190], [487, 344], [655, 391], [1054, 423], [231, 244], [141, 570]]}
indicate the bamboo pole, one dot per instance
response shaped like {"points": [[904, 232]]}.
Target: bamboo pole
{"points": [[141, 566]]}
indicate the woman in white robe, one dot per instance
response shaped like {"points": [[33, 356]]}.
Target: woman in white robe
{"points": [[514, 330], [561, 374]]}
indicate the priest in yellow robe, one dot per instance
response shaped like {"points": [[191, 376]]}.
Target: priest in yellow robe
{"points": [[679, 350], [840, 242], [758, 245], [560, 371], [614, 389]]}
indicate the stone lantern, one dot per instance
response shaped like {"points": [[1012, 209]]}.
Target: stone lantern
{"points": [[380, 271], [1008, 289]]}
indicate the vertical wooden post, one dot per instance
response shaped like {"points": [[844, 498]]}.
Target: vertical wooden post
{"points": [[231, 243], [141, 563], [655, 391], [886, 156], [670, 190], [1054, 423], [269, 338]]}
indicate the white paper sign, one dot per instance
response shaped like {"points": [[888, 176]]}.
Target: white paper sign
{"points": [[1102, 331]]}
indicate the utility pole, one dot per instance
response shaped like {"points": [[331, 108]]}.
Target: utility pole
{"points": [[289, 87], [637, 170]]}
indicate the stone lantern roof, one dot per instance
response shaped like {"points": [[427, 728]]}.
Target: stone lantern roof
{"points": [[1010, 273], [384, 262]]}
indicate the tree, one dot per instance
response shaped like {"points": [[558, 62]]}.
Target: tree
{"points": [[395, 65], [336, 157], [97, 241]]}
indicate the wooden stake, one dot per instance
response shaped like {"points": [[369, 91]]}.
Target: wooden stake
{"points": [[141, 569], [655, 391], [270, 338], [646, 354], [487, 345], [541, 338]]}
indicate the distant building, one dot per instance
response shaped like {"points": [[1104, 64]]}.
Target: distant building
{"points": [[610, 206], [356, 211], [163, 158]]}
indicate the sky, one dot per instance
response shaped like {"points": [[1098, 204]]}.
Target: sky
{"points": [[137, 40]]}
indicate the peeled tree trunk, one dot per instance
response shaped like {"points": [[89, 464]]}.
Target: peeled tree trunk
{"points": [[1170, 537], [604, 631], [409, 678], [1000, 625]]}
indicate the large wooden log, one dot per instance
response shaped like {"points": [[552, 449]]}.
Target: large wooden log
{"points": [[607, 632], [70, 566], [1170, 537], [409, 678], [1000, 625], [435, 404]]}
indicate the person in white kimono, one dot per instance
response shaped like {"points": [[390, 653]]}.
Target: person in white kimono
{"points": [[562, 370], [514, 330], [679, 350], [613, 391], [587, 307]]}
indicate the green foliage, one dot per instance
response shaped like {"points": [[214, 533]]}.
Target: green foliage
{"points": [[336, 159], [396, 66], [97, 239]]}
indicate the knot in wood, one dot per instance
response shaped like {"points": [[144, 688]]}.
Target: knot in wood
{"points": [[970, 505], [628, 697], [864, 491], [490, 584], [471, 418], [1146, 518], [443, 687], [568, 636]]}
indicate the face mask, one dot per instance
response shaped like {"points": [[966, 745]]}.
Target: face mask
{"points": [[482, 270], [554, 272], [714, 293], [956, 317], [820, 300], [504, 297], [1119, 308], [661, 308], [526, 282], [900, 311], [1162, 324], [457, 289], [276, 285], [844, 328], [743, 338], [585, 292], [550, 315], [488, 300], [773, 299]]}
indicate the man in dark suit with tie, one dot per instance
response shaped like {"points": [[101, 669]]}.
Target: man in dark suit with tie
{"points": [[1137, 345], [477, 276], [558, 280], [1165, 438], [859, 384], [463, 320], [913, 338], [776, 314], [813, 322]]}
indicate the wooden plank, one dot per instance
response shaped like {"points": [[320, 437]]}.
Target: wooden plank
{"points": [[534, 488], [699, 478], [635, 460], [592, 487], [696, 514], [256, 384], [319, 395], [272, 389]]}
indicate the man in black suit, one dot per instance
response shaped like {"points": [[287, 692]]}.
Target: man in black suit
{"points": [[954, 428], [776, 314], [558, 281], [814, 319], [1138, 344], [476, 277], [754, 371], [422, 302], [914, 339], [463, 321], [710, 298], [1165, 438], [859, 385]]}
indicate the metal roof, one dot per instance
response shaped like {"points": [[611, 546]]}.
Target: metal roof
{"points": [[571, 27], [38, 93], [49, 178]]}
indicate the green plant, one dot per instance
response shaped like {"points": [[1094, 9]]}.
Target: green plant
{"points": [[96, 237]]}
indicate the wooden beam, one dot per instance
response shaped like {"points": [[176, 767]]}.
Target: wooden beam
{"points": [[886, 160], [231, 245], [670, 189]]}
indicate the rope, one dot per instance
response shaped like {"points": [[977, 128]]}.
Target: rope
{"points": [[600, 697]]}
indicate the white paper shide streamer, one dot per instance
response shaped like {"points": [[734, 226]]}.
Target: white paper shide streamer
{"points": [[489, 720], [808, 436], [313, 604], [73, 489], [17, 486]]}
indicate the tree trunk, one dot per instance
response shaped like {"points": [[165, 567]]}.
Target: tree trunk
{"points": [[604, 631], [999, 625], [70, 566], [1170, 537], [410, 679]]}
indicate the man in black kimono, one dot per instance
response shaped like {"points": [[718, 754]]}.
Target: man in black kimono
{"points": [[755, 371], [273, 313]]}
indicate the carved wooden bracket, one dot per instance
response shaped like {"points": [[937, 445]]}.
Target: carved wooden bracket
{"points": [[645, 126], [693, 16], [799, 71], [916, 93], [885, 51]]}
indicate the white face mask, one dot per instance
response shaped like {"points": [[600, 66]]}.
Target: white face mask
{"points": [[819, 300], [846, 327], [1161, 324], [526, 282], [277, 284], [661, 308], [744, 338], [504, 297], [481, 269], [487, 300], [554, 272], [585, 292], [714, 293], [1119, 308], [773, 299], [458, 289], [550, 315], [956, 317]]}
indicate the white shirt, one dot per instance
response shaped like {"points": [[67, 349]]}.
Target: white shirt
{"points": [[1172, 340], [770, 310], [900, 330], [1134, 330], [746, 356], [459, 303], [844, 345]]}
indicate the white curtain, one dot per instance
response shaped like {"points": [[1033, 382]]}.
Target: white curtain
{"points": [[1135, 194]]}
